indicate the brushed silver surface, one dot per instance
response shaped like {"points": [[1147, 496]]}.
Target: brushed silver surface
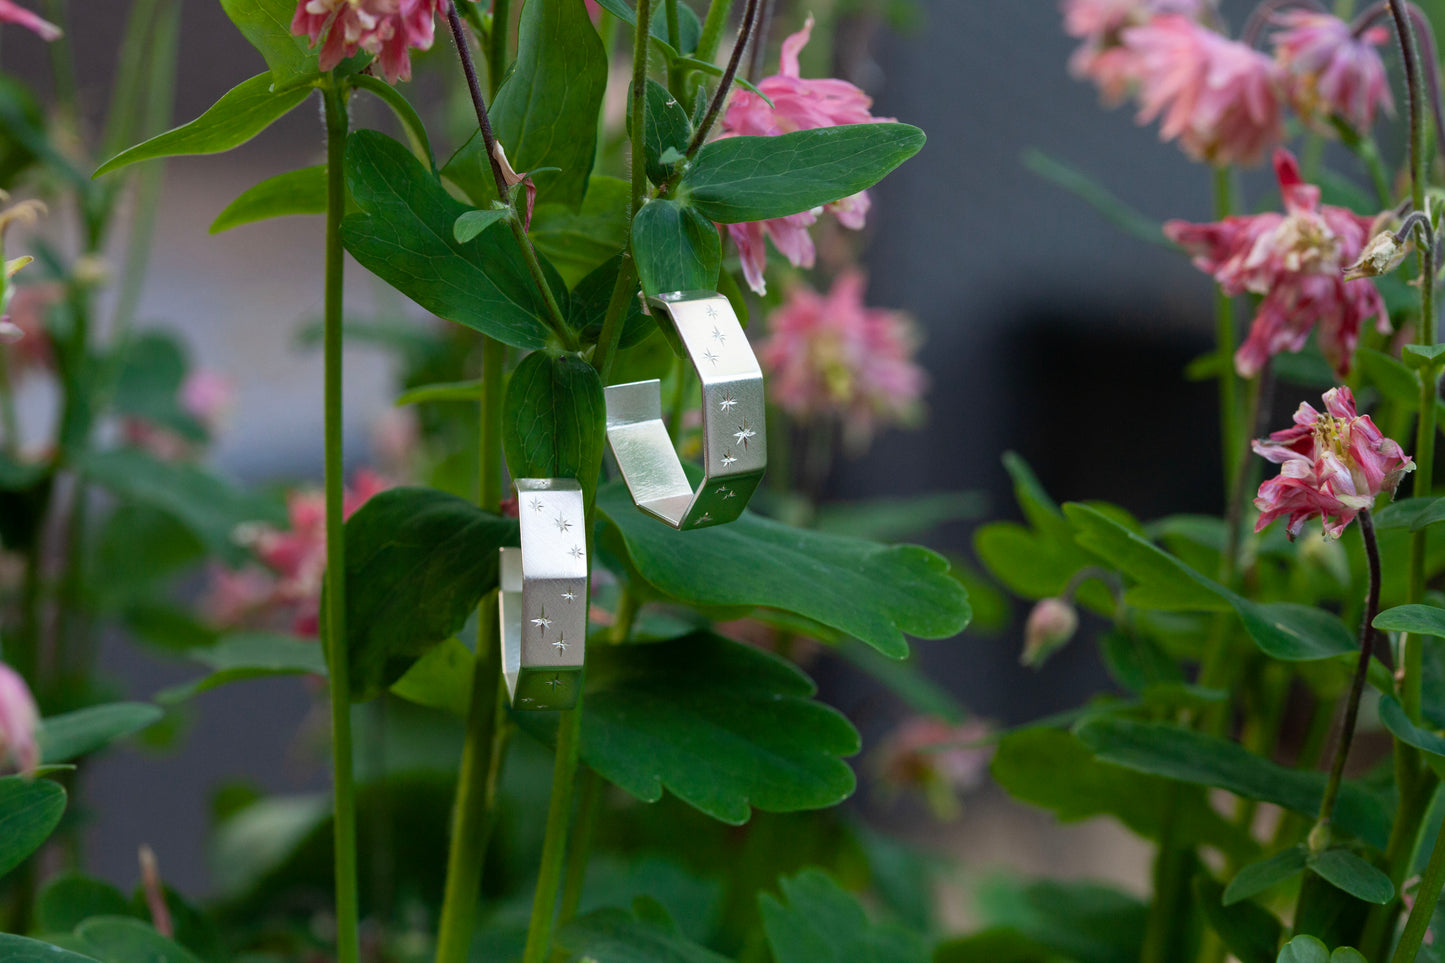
{"points": [[735, 446]]}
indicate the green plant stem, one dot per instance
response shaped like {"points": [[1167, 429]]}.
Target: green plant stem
{"points": [[712, 29], [1319, 836], [62, 63], [589, 808], [554, 849], [674, 40], [615, 318], [1169, 865], [1415, 788], [9, 421], [473, 810], [344, 826], [1426, 898], [555, 320], [497, 44], [714, 107], [1224, 340]]}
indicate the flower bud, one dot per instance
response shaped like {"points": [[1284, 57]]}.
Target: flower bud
{"points": [[18, 718], [1051, 624], [1380, 256]]}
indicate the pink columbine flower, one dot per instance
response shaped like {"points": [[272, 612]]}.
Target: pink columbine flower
{"points": [[1332, 464], [1330, 70], [208, 396], [18, 718], [1295, 260], [832, 356], [1103, 56], [14, 13], [1219, 97], [297, 556], [386, 29], [937, 758], [798, 104]]}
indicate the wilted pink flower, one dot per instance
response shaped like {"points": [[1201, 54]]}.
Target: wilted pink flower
{"points": [[940, 759], [798, 104], [1295, 260], [832, 356], [18, 717], [297, 556], [1219, 97], [1050, 625], [1332, 464], [1100, 24], [14, 13], [1330, 70], [386, 29]]}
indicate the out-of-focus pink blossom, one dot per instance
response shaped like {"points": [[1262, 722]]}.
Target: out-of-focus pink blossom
{"points": [[26, 340], [1295, 260], [1330, 70], [395, 441], [16, 14], [386, 29], [18, 718], [208, 397], [832, 356], [1050, 625], [1332, 464], [1220, 98], [798, 104], [297, 556], [1103, 56], [937, 758]]}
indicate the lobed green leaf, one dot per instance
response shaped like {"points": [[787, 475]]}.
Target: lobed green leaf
{"points": [[817, 921]]}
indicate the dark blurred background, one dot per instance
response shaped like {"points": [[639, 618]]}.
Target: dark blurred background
{"points": [[1048, 332]]}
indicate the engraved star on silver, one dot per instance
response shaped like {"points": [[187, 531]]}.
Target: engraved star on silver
{"points": [[569, 596], [576, 551], [728, 402], [561, 644], [542, 622], [743, 433], [562, 524], [710, 356], [554, 682], [537, 505], [727, 458], [718, 336], [711, 313]]}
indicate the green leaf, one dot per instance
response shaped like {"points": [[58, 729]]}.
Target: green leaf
{"points": [[1423, 355], [884, 519], [818, 922], [1304, 949], [676, 248], [1091, 192], [723, 726], [18, 949], [294, 192], [874, 592], [411, 122], [587, 307], [150, 381], [1403, 513], [403, 235], [30, 809], [242, 113], [267, 24], [249, 655], [740, 179], [470, 391], [125, 939], [137, 550], [579, 241], [1400, 726], [1347, 954], [907, 679], [1193, 757], [1415, 619], [688, 26], [210, 507], [1052, 769], [545, 114], [1282, 630], [1250, 931], [417, 563], [1001, 944], [1084, 922], [72, 898], [1258, 877], [668, 128], [441, 679], [472, 223], [1395, 381], [554, 420], [1352, 874], [617, 936], [73, 734]]}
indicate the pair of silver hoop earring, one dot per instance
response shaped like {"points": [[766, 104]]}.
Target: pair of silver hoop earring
{"points": [[543, 605]]}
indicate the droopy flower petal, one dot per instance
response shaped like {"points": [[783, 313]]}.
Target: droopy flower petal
{"points": [[1330, 70], [1333, 464], [1295, 261], [387, 29], [14, 13], [1218, 97], [1103, 56], [18, 718]]}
